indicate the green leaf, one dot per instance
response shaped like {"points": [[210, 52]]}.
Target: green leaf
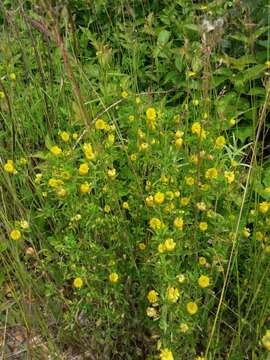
{"points": [[178, 63], [48, 142], [253, 72], [243, 133], [163, 37]]}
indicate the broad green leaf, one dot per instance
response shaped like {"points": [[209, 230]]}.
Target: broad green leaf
{"points": [[163, 37]]}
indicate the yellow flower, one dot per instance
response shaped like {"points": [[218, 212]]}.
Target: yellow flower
{"points": [[200, 358], [267, 63], [83, 169], [88, 151], [12, 77], [197, 129], [183, 327], [107, 209], [259, 236], [142, 246], [111, 173], [74, 136], [220, 142], [169, 244], [179, 142], [266, 337], [264, 207], [184, 201], [229, 175], [15, 234], [173, 294], [177, 194], [203, 226], [161, 248], [23, 161], [192, 308], [151, 312], [131, 118], [202, 260], [152, 296], [177, 118], [201, 206], [194, 159], [2, 94], [178, 223], [55, 182], [9, 167], [151, 114], [100, 124], [24, 224], [166, 354], [203, 281], [149, 201], [195, 102], [181, 278], [133, 157], [61, 192], [155, 224], [211, 173], [159, 198], [189, 180], [124, 94], [113, 277], [125, 205], [137, 100], [85, 188], [64, 136], [246, 232], [77, 283], [55, 150], [191, 74]]}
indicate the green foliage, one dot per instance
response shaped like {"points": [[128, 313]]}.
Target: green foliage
{"points": [[128, 131]]}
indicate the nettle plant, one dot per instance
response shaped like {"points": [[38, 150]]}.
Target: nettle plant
{"points": [[136, 219]]}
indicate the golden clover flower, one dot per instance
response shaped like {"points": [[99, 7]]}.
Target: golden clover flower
{"points": [[229, 175], [246, 232], [64, 136], [166, 354], [183, 327], [203, 281], [159, 198], [264, 207], [173, 294], [151, 113], [142, 246], [56, 150], [9, 167], [78, 283], [131, 118], [152, 296], [137, 100], [125, 205], [220, 142], [266, 340], [12, 76], [61, 192], [85, 188], [179, 142], [88, 151], [149, 201], [15, 234], [83, 169], [184, 201], [192, 308], [161, 248], [113, 277], [133, 157], [151, 312], [155, 224], [100, 124], [178, 223], [203, 226], [124, 94], [24, 224], [2, 94], [111, 173], [202, 260], [169, 244], [107, 208], [211, 173], [189, 180]]}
